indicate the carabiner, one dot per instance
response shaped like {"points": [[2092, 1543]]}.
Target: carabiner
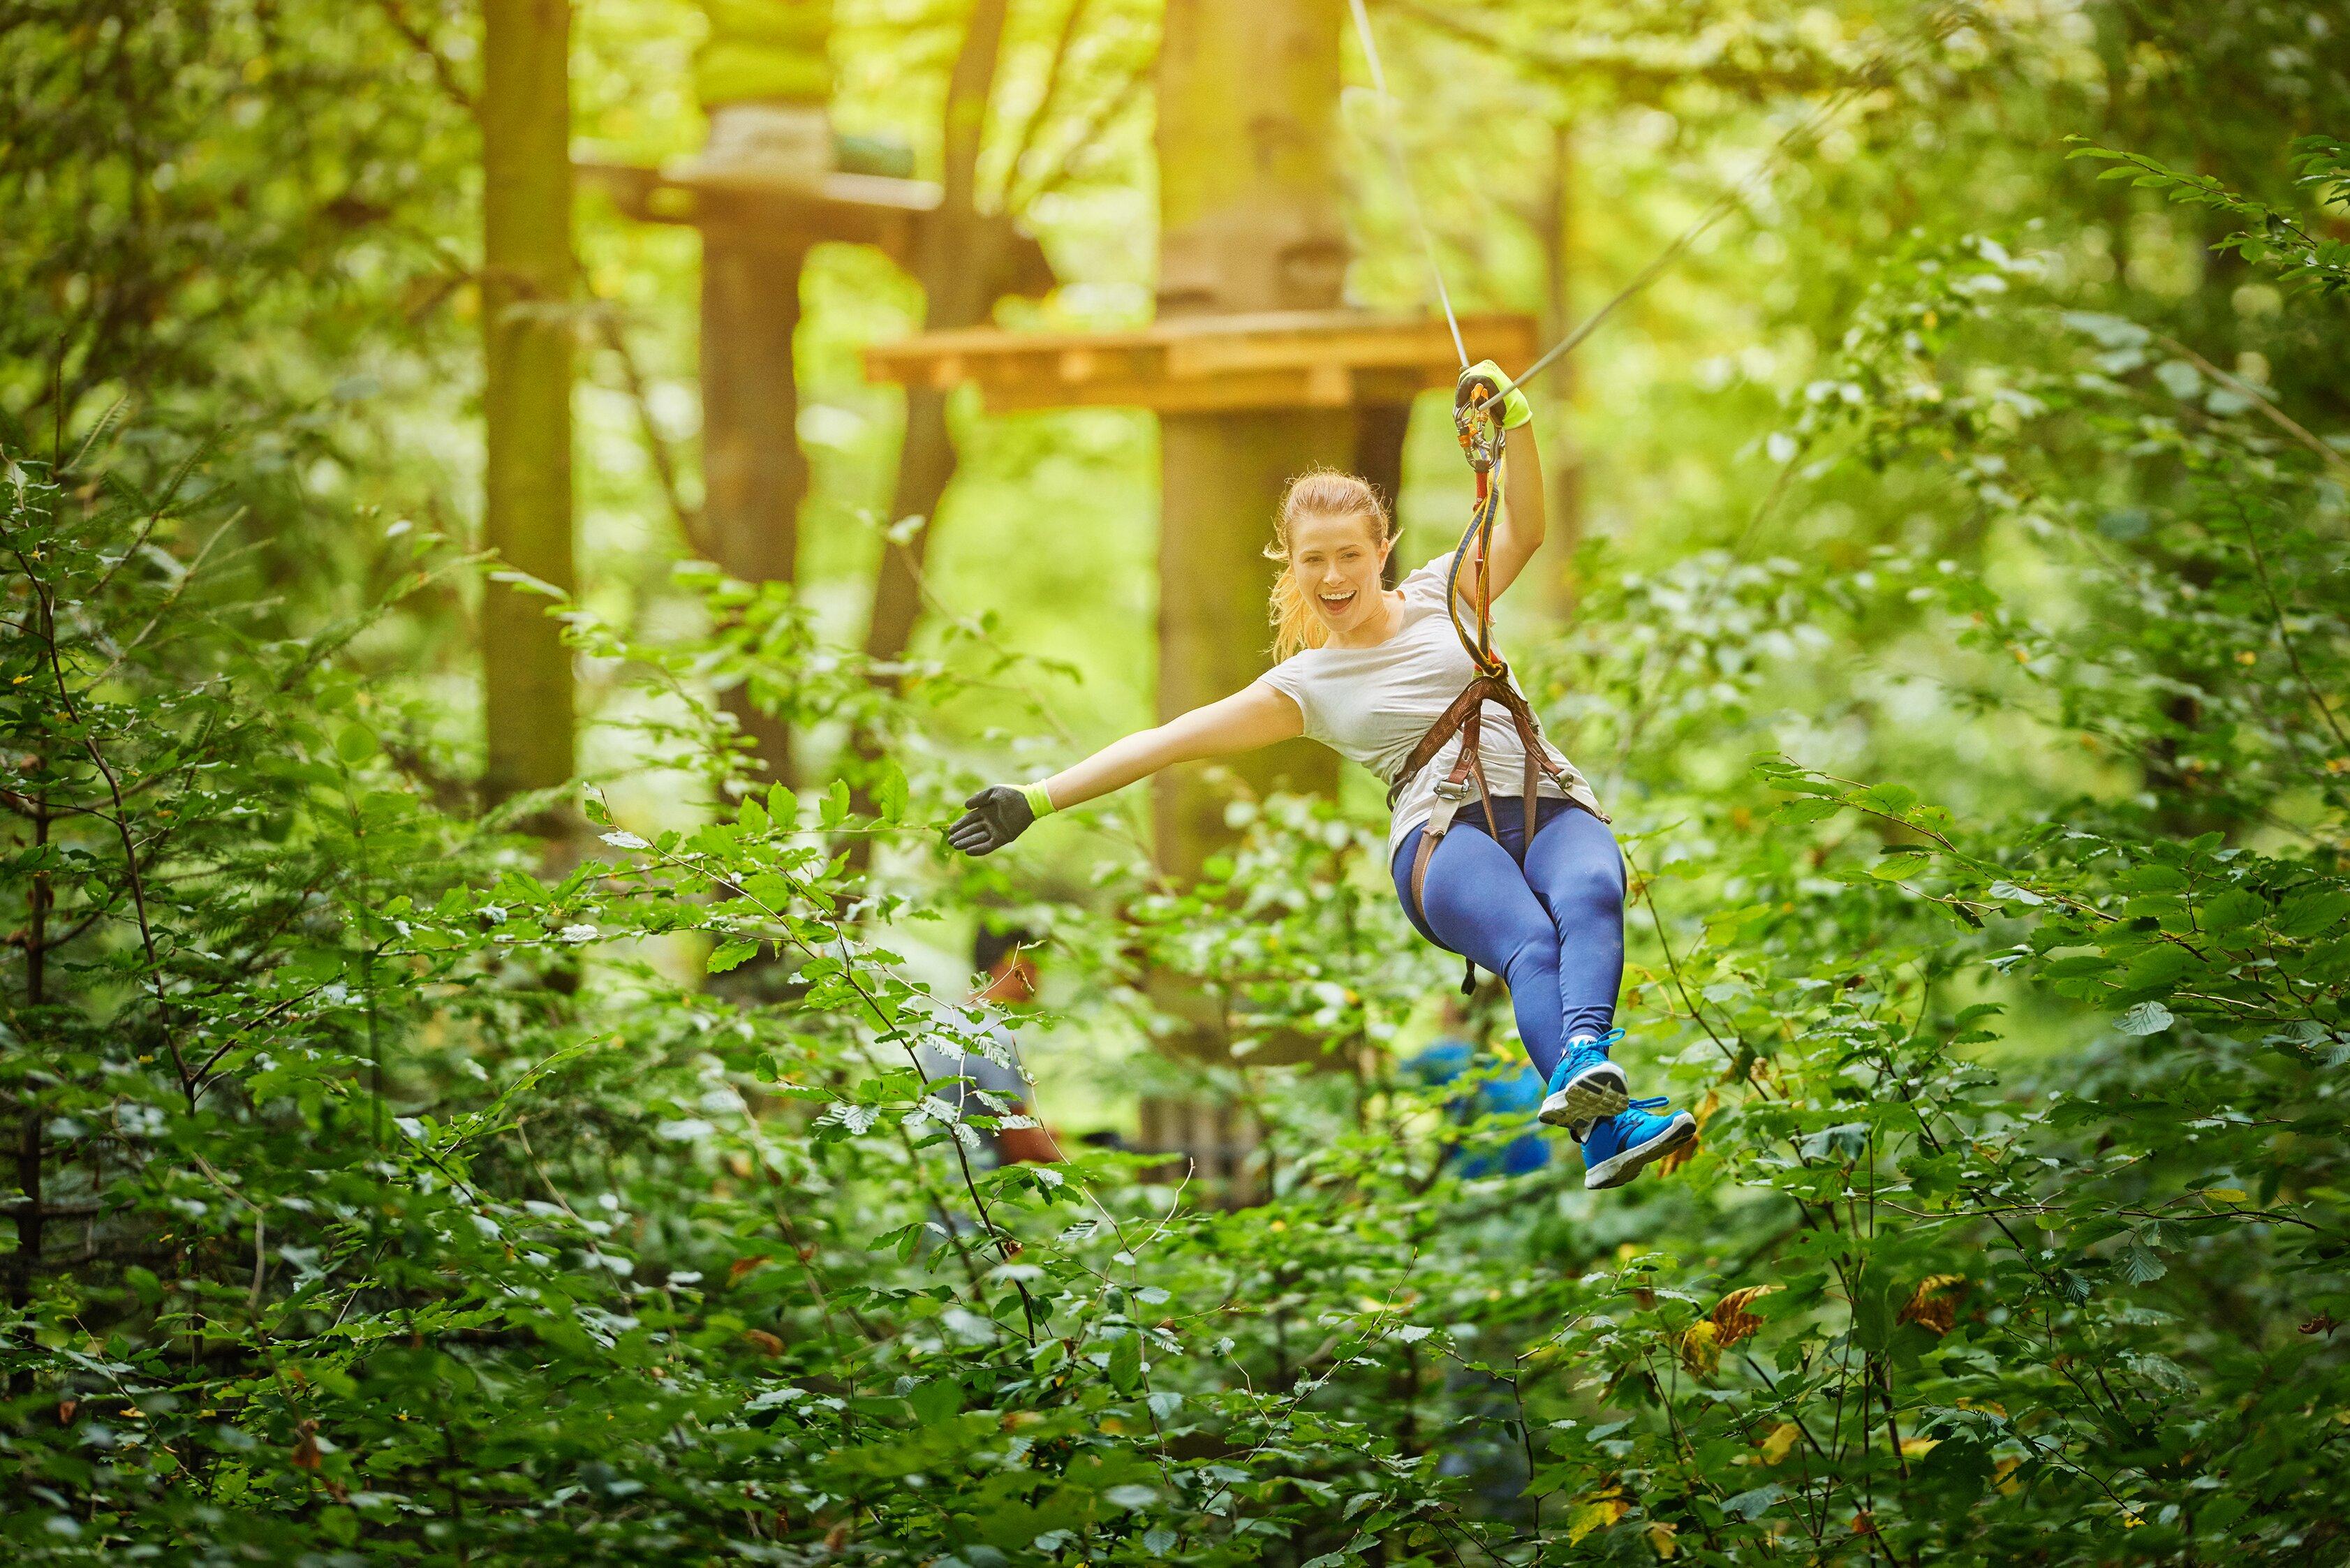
{"points": [[1477, 417]]}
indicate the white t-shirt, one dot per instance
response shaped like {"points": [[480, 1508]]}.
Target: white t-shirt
{"points": [[1372, 705]]}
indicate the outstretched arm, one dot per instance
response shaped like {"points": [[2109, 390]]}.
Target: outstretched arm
{"points": [[1251, 717], [1254, 716]]}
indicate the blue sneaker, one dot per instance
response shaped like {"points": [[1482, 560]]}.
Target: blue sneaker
{"points": [[1616, 1149], [1587, 1086]]}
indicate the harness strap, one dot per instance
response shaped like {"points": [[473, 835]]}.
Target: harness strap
{"points": [[1465, 717]]}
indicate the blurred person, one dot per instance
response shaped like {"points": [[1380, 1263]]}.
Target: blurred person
{"points": [[1008, 980], [1533, 888], [1456, 1053]]}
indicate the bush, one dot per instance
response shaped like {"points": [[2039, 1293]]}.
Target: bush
{"points": [[386, 1191]]}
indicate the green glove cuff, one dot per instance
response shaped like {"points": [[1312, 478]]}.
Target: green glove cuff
{"points": [[1515, 409], [1038, 801]]}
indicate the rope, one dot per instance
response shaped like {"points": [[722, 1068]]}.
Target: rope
{"points": [[1479, 531], [1871, 72], [1403, 174]]}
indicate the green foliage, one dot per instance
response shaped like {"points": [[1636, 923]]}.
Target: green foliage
{"points": [[386, 1186]]}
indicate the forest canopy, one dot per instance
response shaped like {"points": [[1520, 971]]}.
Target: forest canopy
{"points": [[469, 1018]]}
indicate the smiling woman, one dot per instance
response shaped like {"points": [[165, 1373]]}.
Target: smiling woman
{"points": [[1385, 677]]}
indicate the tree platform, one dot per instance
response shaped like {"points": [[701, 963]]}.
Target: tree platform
{"points": [[1208, 364]]}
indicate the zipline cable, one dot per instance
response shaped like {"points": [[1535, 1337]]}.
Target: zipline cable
{"points": [[1403, 173], [1871, 73]]}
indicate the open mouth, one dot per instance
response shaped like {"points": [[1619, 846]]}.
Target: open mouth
{"points": [[1337, 604]]}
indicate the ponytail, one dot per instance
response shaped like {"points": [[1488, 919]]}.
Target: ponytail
{"points": [[1319, 492]]}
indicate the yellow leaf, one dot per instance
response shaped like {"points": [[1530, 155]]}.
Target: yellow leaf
{"points": [[1660, 1539], [1596, 1514], [2225, 1194], [2003, 1476], [1781, 1439], [1918, 1447], [1701, 1348]]}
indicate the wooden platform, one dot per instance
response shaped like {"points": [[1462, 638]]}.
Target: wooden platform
{"points": [[784, 217], [1205, 364]]}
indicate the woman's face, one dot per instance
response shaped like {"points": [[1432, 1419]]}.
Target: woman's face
{"points": [[1335, 560]]}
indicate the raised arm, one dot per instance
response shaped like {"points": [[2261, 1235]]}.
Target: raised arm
{"points": [[1519, 531], [1254, 716]]}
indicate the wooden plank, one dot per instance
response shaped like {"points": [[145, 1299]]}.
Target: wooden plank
{"points": [[1332, 387], [1322, 359]]}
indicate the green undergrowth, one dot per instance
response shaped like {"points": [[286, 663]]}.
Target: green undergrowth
{"points": [[385, 1189]]}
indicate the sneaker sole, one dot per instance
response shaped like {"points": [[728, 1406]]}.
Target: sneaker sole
{"points": [[1623, 1167], [1599, 1090]]}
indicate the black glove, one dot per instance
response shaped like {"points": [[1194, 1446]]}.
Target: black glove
{"points": [[998, 814]]}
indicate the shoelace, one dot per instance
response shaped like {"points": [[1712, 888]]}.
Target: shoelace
{"points": [[1654, 1103], [1603, 1042]]}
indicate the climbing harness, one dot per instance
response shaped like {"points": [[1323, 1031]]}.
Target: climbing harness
{"points": [[1477, 418]]}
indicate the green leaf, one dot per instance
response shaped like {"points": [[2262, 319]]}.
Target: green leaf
{"points": [[727, 955], [2313, 912], [1872, 1319], [2146, 1018], [1892, 799], [1125, 1362], [890, 793]]}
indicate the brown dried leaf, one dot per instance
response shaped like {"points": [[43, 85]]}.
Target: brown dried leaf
{"points": [[1677, 1158], [2324, 1323], [1935, 1307], [765, 1343], [1732, 1320], [306, 1446], [741, 1266]]}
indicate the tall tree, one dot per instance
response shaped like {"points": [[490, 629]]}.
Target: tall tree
{"points": [[526, 278], [1249, 221], [959, 277]]}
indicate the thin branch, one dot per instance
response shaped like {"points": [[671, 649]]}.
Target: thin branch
{"points": [[2276, 416], [443, 72]]}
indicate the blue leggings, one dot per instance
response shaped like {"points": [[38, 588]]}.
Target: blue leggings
{"points": [[1555, 931]]}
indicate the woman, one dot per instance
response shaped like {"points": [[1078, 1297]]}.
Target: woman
{"points": [[1366, 671]]}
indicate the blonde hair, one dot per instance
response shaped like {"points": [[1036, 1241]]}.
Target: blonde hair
{"points": [[1319, 492]]}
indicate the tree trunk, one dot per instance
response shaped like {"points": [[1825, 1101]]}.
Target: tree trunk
{"points": [[957, 277], [754, 473], [526, 276], [1249, 221]]}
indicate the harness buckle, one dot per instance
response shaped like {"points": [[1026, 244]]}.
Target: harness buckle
{"points": [[1455, 791]]}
